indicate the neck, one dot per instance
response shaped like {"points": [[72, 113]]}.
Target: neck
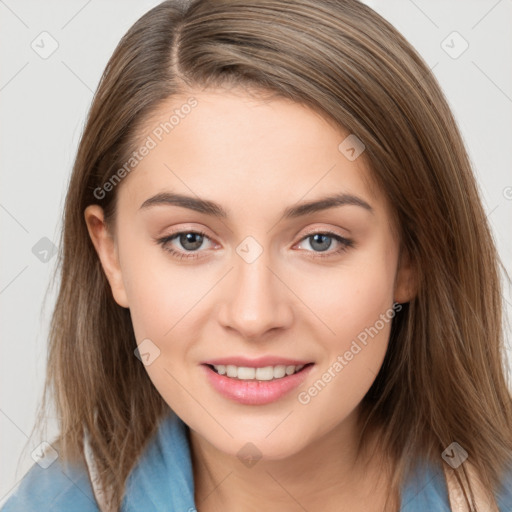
{"points": [[325, 474]]}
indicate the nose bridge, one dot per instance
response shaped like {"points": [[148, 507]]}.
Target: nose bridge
{"points": [[256, 300]]}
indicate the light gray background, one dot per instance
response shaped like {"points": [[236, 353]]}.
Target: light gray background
{"points": [[44, 104]]}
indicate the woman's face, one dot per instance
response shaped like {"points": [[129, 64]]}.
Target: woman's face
{"points": [[278, 279]]}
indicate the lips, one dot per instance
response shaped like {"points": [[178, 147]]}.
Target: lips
{"points": [[250, 391]]}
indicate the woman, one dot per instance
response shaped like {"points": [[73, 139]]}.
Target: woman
{"points": [[259, 367]]}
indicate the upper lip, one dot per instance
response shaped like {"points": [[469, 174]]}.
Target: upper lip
{"points": [[259, 362]]}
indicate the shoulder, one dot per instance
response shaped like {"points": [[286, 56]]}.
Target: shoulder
{"points": [[426, 489], [163, 477], [504, 495], [58, 487]]}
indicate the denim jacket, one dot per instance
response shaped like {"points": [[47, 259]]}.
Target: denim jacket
{"points": [[162, 480]]}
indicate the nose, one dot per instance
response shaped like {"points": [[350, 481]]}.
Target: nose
{"points": [[256, 300]]}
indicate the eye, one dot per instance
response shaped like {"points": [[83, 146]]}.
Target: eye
{"points": [[322, 240], [191, 241]]}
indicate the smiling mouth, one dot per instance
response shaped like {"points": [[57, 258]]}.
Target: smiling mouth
{"points": [[265, 373]]}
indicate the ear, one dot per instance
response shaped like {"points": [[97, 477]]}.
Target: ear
{"points": [[107, 251], [406, 279]]}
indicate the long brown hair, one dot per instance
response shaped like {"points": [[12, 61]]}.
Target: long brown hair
{"points": [[443, 377]]}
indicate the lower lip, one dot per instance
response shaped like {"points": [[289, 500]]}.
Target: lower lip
{"points": [[255, 392]]}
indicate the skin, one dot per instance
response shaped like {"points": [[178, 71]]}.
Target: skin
{"points": [[255, 158]]}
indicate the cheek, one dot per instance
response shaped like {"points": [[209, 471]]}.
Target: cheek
{"points": [[159, 291], [353, 356], [351, 296], [165, 300], [355, 303], [162, 296]]}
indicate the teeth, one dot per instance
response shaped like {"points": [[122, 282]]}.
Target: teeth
{"points": [[279, 371], [265, 373], [221, 369], [246, 373]]}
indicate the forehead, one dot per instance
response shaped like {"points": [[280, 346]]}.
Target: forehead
{"points": [[245, 151]]}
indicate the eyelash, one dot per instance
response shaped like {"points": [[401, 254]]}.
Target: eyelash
{"points": [[345, 244]]}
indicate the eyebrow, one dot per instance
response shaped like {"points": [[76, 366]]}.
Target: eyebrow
{"points": [[216, 210]]}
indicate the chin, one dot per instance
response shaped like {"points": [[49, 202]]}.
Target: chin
{"points": [[255, 446]]}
